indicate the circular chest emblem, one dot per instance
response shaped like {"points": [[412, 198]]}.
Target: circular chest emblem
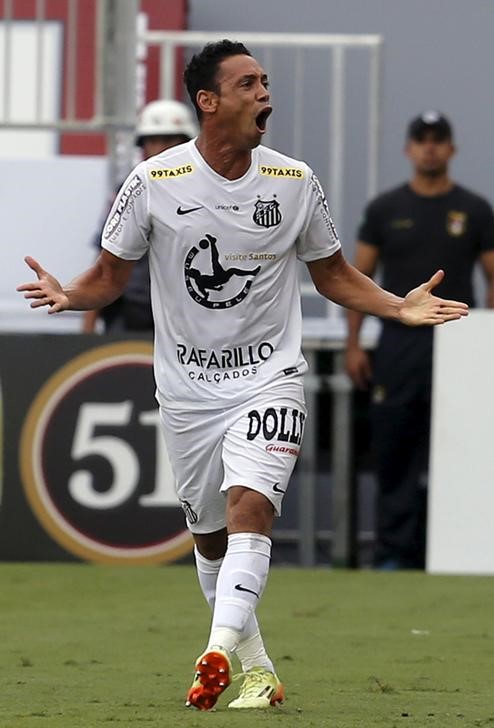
{"points": [[94, 464], [209, 283]]}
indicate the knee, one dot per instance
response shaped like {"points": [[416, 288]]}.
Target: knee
{"points": [[250, 511], [211, 545]]}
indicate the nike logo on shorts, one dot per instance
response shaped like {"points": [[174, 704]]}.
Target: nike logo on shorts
{"points": [[181, 211], [278, 490], [239, 587]]}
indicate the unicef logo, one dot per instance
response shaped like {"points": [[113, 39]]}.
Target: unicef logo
{"points": [[209, 283]]}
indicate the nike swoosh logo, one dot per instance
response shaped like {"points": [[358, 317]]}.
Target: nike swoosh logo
{"points": [[278, 490], [239, 587], [180, 211]]}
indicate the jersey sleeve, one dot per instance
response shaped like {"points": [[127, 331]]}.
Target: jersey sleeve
{"points": [[369, 228], [318, 238], [485, 226], [127, 227]]}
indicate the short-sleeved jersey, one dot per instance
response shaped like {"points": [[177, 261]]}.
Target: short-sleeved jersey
{"points": [[133, 308], [416, 235], [223, 262]]}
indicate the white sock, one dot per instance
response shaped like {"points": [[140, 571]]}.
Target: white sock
{"points": [[250, 651], [241, 581], [207, 573]]}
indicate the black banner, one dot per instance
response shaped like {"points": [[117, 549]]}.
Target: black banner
{"points": [[85, 470]]}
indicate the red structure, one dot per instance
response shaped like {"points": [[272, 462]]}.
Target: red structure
{"points": [[169, 15]]}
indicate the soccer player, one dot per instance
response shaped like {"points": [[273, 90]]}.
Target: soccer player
{"points": [[225, 220]]}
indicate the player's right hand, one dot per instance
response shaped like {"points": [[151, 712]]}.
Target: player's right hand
{"points": [[46, 291], [358, 367]]}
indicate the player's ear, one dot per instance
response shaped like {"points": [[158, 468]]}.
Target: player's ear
{"points": [[207, 101]]}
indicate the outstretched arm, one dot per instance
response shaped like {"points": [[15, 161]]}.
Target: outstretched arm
{"points": [[339, 281], [95, 288]]}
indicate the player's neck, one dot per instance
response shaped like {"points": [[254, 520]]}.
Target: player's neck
{"points": [[223, 157], [431, 186]]}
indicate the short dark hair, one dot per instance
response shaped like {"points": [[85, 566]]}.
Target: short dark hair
{"points": [[201, 71]]}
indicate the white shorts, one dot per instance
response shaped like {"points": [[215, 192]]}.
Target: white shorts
{"points": [[255, 444]]}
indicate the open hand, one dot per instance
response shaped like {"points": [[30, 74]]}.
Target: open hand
{"points": [[420, 307], [46, 291]]}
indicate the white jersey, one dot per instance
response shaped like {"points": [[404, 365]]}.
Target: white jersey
{"points": [[223, 261]]}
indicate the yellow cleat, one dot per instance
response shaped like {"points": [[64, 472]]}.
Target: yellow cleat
{"points": [[213, 676], [260, 689]]}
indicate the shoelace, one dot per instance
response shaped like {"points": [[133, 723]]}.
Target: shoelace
{"points": [[253, 681]]}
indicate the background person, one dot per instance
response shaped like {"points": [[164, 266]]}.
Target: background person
{"points": [[161, 125], [405, 233], [228, 361]]}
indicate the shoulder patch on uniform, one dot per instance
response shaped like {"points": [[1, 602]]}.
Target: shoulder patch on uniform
{"points": [[170, 173], [125, 202], [292, 172]]}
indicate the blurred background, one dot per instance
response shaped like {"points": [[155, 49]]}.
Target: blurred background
{"points": [[346, 78]]}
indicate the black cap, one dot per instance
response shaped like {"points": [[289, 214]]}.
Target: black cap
{"points": [[430, 121]]}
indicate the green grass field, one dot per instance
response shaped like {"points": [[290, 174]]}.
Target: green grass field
{"points": [[84, 646]]}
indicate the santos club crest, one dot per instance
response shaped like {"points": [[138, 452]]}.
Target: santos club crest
{"points": [[267, 213], [209, 283]]}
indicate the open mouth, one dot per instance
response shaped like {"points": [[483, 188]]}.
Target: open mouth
{"points": [[262, 117]]}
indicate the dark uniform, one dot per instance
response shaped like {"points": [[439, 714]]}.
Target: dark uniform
{"points": [[132, 310], [416, 235]]}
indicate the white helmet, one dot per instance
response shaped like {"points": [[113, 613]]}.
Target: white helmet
{"points": [[165, 118]]}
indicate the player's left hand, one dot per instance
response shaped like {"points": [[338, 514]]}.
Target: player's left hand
{"points": [[421, 308]]}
